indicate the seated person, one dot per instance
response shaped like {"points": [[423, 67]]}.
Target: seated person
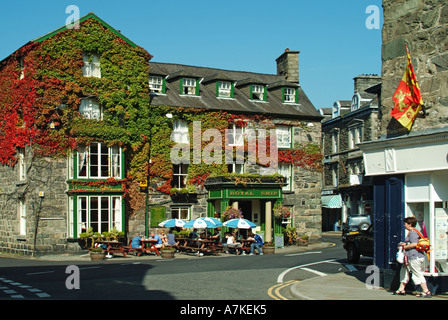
{"points": [[155, 236], [194, 235], [257, 244], [171, 241], [135, 243], [231, 243], [163, 237]]}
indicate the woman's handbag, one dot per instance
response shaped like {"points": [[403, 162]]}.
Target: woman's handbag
{"points": [[402, 257]]}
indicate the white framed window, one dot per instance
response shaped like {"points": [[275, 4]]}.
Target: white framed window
{"points": [[99, 161], [180, 212], [336, 111], [156, 84], [224, 89], [101, 213], [91, 109], [22, 68], [180, 132], [289, 95], [334, 175], [70, 217], [21, 212], [258, 92], [235, 168], [21, 164], [235, 135], [189, 86], [335, 142], [91, 66], [354, 136], [180, 173], [285, 169], [283, 134]]}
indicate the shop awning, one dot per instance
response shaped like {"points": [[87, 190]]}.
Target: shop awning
{"points": [[333, 201]]}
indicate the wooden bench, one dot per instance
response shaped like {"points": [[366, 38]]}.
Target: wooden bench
{"points": [[129, 249]]}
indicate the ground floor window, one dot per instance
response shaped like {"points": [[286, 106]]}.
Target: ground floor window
{"points": [[181, 212], [101, 213]]}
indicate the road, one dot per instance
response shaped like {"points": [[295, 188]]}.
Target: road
{"points": [[265, 277]]}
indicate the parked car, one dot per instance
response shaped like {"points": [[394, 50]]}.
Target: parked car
{"points": [[355, 223], [359, 243]]}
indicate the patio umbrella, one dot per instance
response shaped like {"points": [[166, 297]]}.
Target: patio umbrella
{"points": [[171, 223], [200, 223], [214, 220], [240, 224]]}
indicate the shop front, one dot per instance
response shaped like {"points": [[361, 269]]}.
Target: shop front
{"points": [[255, 198], [410, 179]]}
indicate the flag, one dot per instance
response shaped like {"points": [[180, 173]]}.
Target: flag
{"points": [[407, 98]]}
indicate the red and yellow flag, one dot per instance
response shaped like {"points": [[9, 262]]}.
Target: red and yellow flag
{"points": [[407, 98]]}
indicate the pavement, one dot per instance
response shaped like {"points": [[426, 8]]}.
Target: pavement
{"points": [[339, 286]]}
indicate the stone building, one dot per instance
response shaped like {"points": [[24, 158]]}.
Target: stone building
{"points": [[281, 102], [346, 191], [409, 168], [91, 131]]}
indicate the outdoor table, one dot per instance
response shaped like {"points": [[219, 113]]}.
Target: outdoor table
{"points": [[207, 245], [246, 244], [148, 245], [113, 247]]}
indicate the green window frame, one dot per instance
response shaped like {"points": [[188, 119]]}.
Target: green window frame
{"points": [[225, 89], [157, 84], [101, 211], [257, 94], [287, 92], [187, 87]]}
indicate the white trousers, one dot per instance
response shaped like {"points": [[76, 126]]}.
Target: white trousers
{"points": [[417, 267]]}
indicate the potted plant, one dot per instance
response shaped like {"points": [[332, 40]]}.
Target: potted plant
{"points": [[303, 240], [96, 254], [268, 248], [167, 252]]}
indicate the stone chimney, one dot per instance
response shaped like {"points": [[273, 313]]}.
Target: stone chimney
{"points": [[288, 65], [364, 81]]}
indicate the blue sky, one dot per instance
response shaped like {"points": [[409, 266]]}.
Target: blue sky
{"points": [[246, 35]]}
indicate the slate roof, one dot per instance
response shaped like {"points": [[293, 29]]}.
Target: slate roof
{"points": [[240, 103]]}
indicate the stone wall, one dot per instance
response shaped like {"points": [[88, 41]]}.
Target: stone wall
{"points": [[43, 192], [423, 25]]}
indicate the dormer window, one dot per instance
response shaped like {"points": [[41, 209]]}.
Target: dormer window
{"points": [[190, 86], [355, 102], [90, 109], [224, 89], [156, 84], [258, 92], [336, 111], [290, 95], [91, 66]]}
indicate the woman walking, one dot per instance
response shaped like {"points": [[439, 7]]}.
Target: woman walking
{"points": [[416, 261]]}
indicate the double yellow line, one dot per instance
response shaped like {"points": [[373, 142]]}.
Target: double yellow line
{"points": [[274, 291]]}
